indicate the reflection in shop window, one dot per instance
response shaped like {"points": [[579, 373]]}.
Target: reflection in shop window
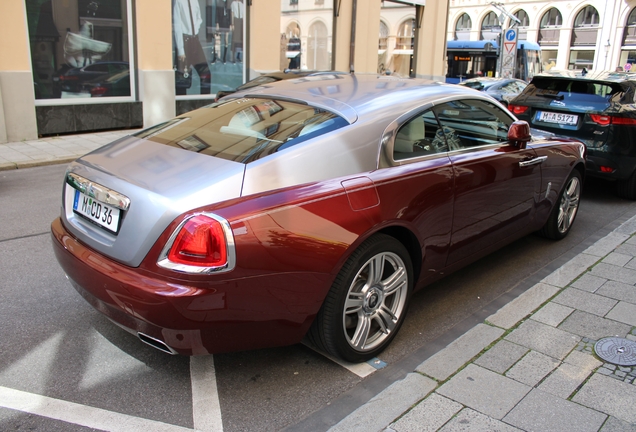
{"points": [[306, 35], [78, 47], [207, 45], [397, 35], [383, 44], [581, 59]]}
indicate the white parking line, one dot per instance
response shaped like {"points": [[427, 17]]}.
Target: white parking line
{"points": [[82, 415], [206, 408]]}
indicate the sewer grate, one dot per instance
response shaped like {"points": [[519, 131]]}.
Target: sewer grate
{"points": [[618, 351]]}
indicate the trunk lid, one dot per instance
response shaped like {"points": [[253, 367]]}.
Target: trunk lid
{"points": [[159, 182]]}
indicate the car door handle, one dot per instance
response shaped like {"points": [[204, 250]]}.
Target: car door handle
{"points": [[533, 161]]}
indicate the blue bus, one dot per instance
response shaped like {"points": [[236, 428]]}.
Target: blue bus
{"points": [[470, 59]]}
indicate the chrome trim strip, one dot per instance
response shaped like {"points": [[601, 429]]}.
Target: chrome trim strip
{"points": [[97, 191], [182, 268], [156, 343], [535, 161]]}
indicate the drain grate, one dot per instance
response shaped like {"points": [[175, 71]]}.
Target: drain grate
{"points": [[618, 351]]}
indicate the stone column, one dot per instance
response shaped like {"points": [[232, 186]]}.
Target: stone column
{"points": [[17, 97]]}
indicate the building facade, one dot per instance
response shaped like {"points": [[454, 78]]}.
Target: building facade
{"points": [[591, 34], [68, 66]]}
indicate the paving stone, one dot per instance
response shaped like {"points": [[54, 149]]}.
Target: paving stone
{"points": [[501, 357], [541, 411], [469, 420], [624, 312], [532, 368], [615, 273], [429, 415], [484, 391], [544, 339], [513, 312], [589, 283], [631, 264], [388, 404], [582, 300], [628, 228], [552, 314], [610, 396], [592, 326], [576, 368], [456, 354], [615, 425], [627, 249], [618, 291], [607, 244], [617, 259], [605, 371], [563, 276]]}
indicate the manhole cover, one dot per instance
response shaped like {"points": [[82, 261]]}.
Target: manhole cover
{"points": [[617, 350]]}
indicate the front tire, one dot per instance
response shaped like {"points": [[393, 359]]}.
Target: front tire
{"points": [[564, 212], [367, 302]]}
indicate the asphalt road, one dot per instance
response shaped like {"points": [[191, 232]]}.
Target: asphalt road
{"points": [[53, 344]]}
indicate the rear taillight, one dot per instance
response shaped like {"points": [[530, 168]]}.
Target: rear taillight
{"points": [[605, 120], [518, 109], [201, 244]]}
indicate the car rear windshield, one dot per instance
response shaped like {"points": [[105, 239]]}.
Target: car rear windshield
{"points": [[245, 129], [547, 86]]}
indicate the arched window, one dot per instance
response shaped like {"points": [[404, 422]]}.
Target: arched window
{"points": [[292, 32], [588, 17], [524, 23], [549, 34], [551, 19], [628, 51], [317, 47], [584, 36], [463, 27], [384, 36], [406, 35], [490, 27]]}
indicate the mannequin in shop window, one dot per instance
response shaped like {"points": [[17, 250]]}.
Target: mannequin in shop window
{"points": [[186, 23]]}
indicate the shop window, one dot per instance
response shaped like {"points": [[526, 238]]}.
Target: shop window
{"points": [[463, 27], [207, 45], [580, 59], [79, 48]]}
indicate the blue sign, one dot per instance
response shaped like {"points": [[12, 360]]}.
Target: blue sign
{"points": [[511, 35]]}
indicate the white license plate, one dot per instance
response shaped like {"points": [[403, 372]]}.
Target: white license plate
{"points": [[98, 212], [550, 117]]}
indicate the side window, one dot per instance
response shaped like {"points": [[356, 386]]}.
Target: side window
{"points": [[420, 136], [472, 123]]}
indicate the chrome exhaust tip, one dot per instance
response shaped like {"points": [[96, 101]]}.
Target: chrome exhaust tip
{"points": [[156, 343]]}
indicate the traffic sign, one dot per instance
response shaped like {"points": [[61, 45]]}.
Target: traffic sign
{"points": [[508, 55], [627, 67]]}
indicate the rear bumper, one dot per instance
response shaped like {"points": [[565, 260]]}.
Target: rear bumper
{"points": [[622, 166], [199, 317]]}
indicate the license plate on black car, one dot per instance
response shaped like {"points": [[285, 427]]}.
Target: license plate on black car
{"points": [[558, 118]]}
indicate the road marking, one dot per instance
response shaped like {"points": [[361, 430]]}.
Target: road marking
{"points": [[206, 408], [82, 415], [361, 369]]}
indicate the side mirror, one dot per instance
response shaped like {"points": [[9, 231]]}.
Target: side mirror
{"points": [[519, 134]]}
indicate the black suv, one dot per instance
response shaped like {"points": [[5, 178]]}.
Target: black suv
{"points": [[598, 109]]}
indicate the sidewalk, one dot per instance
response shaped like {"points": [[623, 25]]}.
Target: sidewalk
{"points": [[54, 150], [531, 366]]}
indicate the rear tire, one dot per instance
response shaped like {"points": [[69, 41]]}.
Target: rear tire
{"points": [[564, 212], [627, 188], [367, 302]]}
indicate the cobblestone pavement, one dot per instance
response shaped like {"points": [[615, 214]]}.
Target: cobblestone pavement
{"points": [[532, 366]]}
